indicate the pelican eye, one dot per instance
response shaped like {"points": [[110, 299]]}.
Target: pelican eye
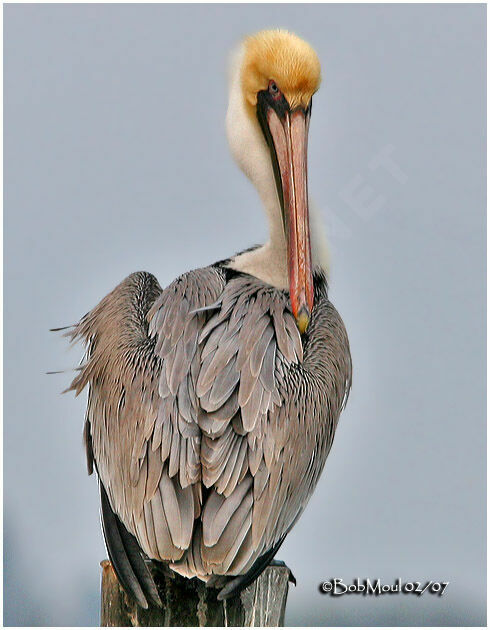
{"points": [[273, 89]]}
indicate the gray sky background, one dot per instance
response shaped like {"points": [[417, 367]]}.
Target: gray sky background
{"points": [[116, 160]]}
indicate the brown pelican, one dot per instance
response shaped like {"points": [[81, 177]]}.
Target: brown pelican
{"points": [[213, 403]]}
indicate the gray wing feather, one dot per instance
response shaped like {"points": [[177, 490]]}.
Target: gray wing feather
{"points": [[252, 353], [219, 393], [142, 411]]}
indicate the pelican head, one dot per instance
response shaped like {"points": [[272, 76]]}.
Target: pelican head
{"points": [[274, 77]]}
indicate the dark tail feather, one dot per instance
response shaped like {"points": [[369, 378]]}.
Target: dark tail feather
{"points": [[75, 369], [237, 584], [125, 555], [61, 328]]}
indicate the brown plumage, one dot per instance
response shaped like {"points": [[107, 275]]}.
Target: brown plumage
{"points": [[209, 419], [210, 426]]}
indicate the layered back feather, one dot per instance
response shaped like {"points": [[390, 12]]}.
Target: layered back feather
{"points": [[209, 417]]}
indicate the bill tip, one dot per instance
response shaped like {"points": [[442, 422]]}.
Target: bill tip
{"points": [[302, 320]]}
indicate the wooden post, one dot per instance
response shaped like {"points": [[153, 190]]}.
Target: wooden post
{"points": [[190, 603]]}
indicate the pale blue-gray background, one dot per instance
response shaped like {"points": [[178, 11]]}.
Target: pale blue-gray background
{"points": [[116, 160]]}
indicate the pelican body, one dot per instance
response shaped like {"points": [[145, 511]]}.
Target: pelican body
{"points": [[213, 403]]}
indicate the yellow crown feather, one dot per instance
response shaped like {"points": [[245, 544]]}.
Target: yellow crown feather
{"points": [[282, 57]]}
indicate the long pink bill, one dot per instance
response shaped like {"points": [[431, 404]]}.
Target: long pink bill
{"points": [[290, 137]]}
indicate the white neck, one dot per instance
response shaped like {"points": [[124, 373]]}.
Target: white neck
{"points": [[250, 150]]}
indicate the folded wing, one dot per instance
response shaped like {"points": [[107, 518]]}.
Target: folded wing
{"points": [[209, 418]]}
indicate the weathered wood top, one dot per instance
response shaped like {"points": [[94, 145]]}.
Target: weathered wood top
{"points": [[190, 603]]}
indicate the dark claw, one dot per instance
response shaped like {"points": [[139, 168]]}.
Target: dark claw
{"points": [[160, 567], [281, 563]]}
